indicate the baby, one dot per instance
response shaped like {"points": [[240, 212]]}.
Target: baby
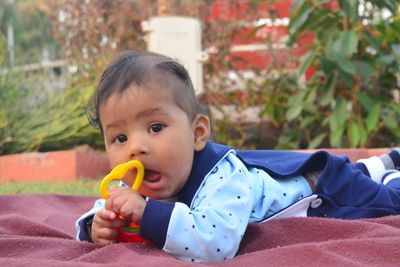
{"points": [[198, 197]]}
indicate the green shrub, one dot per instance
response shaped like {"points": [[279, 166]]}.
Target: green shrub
{"points": [[351, 99], [38, 120], [35, 119]]}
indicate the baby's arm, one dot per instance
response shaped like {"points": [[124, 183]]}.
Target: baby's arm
{"points": [[211, 228]]}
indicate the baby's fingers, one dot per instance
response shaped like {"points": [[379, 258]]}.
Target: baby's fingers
{"points": [[104, 236], [106, 214]]}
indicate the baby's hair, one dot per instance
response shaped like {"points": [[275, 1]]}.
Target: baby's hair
{"points": [[144, 70]]}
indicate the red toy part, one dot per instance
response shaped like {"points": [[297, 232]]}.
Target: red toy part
{"points": [[130, 235]]}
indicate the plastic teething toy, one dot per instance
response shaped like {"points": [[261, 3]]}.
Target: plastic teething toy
{"points": [[129, 233]]}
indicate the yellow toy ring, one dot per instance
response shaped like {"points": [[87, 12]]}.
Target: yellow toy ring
{"points": [[118, 172]]}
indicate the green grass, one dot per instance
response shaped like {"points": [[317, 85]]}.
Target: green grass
{"points": [[80, 187]]}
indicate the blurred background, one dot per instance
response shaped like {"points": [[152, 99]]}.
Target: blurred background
{"points": [[275, 74]]}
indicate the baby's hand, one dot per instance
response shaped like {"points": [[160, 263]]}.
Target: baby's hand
{"points": [[126, 203], [105, 227]]}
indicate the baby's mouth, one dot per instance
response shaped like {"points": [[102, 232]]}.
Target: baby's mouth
{"points": [[151, 176]]}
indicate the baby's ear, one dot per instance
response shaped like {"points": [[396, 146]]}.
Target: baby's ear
{"points": [[202, 129]]}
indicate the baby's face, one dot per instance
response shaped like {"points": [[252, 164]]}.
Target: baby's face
{"points": [[147, 125]]}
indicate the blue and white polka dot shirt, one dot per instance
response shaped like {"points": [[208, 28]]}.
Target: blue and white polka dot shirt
{"points": [[230, 197]]}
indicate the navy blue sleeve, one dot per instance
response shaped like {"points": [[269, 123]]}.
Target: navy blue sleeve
{"points": [[155, 221], [85, 226]]}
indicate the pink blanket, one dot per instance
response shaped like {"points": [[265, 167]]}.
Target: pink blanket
{"points": [[38, 230]]}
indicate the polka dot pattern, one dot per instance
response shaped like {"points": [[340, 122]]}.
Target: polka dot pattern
{"points": [[230, 198]]}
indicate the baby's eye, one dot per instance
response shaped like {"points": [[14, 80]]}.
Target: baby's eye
{"points": [[119, 139], [156, 128]]}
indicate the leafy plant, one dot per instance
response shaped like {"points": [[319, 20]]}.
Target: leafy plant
{"points": [[35, 119], [41, 122], [352, 96]]}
